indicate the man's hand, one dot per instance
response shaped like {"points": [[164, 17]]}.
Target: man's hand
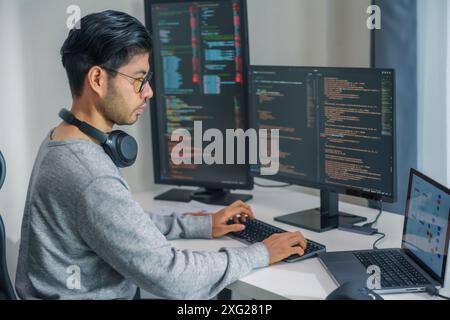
{"points": [[282, 245], [220, 219]]}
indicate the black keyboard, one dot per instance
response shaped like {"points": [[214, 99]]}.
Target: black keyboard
{"points": [[256, 231], [396, 270]]}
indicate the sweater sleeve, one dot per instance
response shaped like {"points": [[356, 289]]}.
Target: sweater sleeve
{"points": [[117, 229], [178, 225]]}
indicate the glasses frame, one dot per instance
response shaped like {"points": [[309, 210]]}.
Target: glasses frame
{"points": [[143, 81]]}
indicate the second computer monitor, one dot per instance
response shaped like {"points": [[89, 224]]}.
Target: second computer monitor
{"points": [[337, 132], [200, 62]]}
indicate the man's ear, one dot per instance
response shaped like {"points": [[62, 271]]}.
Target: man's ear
{"points": [[97, 79]]}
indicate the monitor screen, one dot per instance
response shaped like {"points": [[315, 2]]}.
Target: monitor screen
{"points": [[336, 126], [426, 230], [200, 65]]}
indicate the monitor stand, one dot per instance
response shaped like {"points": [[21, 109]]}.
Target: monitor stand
{"points": [[221, 197], [179, 195], [321, 219]]}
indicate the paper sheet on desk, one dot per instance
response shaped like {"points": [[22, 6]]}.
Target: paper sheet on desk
{"points": [[193, 206]]}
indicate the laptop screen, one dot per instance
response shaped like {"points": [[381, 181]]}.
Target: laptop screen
{"points": [[426, 229]]}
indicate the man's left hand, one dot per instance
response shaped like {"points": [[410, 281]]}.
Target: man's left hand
{"points": [[220, 226]]}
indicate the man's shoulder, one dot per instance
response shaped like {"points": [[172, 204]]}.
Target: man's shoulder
{"points": [[78, 159]]}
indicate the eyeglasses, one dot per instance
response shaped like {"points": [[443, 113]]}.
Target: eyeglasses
{"points": [[139, 83]]}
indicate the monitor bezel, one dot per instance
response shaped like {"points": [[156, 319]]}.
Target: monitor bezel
{"points": [[440, 278], [329, 187], [247, 183]]}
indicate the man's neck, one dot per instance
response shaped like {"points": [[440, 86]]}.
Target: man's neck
{"points": [[84, 111]]}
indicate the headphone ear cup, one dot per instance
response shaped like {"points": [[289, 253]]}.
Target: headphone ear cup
{"points": [[122, 148], [119, 146]]}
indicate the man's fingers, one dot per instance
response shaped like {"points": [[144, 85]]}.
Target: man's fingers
{"points": [[232, 212], [299, 239], [303, 243], [296, 239], [241, 204], [297, 250], [252, 214], [238, 203], [235, 227]]}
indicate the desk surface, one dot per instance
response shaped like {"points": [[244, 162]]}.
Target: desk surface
{"points": [[304, 279]]}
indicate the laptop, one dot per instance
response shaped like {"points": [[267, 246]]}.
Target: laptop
{"points": [[421, 260]]}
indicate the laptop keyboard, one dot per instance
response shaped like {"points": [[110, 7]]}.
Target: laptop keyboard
{"points": [[396, 271], [257, 230]]}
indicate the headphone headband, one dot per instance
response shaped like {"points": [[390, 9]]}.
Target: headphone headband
{"points": [[84, 127]]}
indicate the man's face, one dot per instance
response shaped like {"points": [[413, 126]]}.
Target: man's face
{"points": [[122, 104]]}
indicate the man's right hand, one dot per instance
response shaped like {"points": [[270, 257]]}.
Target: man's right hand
{"points": [[282, 245]]}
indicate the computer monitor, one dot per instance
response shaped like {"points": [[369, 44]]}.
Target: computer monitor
{"points": [[200, 63], [337, 134]]}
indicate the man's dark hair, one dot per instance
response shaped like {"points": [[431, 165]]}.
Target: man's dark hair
{"points": [[109, 38]]}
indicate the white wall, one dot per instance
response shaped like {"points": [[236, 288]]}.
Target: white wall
{"points": [[448, 101], [433, 95], [309, 33]]}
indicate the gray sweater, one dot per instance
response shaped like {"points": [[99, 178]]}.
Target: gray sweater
{"points": [[84, 237]]}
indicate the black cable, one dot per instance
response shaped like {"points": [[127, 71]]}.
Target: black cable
{"points": [[378, 240], [432, 291], [370, 224]]}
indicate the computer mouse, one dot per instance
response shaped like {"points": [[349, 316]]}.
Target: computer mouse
{"points": [[353, 291]]}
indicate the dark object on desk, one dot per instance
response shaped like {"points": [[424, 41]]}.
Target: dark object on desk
{"points": [[2, 170], [6, 288], [215, 197], [357, 229], [257, 230], [353, 291]]}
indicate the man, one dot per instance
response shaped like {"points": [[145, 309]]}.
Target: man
{"points": [[83, 235]]}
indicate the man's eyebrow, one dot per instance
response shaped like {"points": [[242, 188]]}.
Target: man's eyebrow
{"points": [[141, 72]]}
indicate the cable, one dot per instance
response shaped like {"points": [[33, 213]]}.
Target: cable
{"points": [[378, 240], [370, 224], [432, 291]]}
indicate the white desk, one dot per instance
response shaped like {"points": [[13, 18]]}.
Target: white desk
{"points": [[304, 279]]}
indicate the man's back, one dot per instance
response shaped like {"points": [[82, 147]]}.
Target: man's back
{"points": [[52, 251]]}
